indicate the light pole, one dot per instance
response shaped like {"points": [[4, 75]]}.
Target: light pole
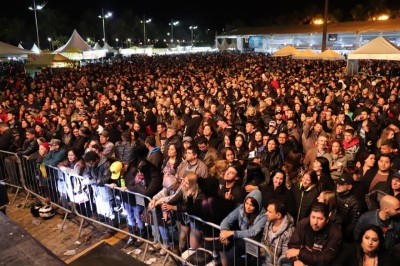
{"points": [[144, 21], [325, 27], [191, 30], [51, 44], [34, 8], [102, 16], [172, 24]]}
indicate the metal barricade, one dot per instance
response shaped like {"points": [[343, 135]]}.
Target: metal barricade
{"points": [[11, 172], [47, 184], [205, 235]]}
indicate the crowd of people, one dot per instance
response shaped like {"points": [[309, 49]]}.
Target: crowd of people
{"points": [[292, 153]]}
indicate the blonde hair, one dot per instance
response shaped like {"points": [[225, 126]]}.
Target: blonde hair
{"points": [[219, 168], [193, 186], [329, 198]]}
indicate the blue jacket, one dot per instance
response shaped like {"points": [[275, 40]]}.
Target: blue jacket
{"points": [[392, 236], [246, 230]]}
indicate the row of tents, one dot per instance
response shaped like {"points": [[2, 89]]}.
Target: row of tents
{"points": [[377, 49], [75, 44]]}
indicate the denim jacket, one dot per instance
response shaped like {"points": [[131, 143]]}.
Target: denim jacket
{"points": [[392, 235]]}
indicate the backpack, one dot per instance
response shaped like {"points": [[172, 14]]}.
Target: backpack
{"points": [[373, 198]]}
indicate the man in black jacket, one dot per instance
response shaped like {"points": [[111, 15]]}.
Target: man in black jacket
{"points": [[348, 207], [315, 241]]}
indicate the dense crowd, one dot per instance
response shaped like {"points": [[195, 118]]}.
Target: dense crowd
{"points": [[293, 153]]}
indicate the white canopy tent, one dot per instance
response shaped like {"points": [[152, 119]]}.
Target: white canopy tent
{"points": [[109, 49], [330, 55], [35, 49], [378, 49], [287, 50], [306, 54], [11, 50], [75, 44]]}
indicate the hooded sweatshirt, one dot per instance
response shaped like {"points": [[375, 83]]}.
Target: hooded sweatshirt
{"points": [[246, 230], [278, 241]]}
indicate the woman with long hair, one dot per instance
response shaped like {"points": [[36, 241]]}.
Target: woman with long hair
{"points": [[293, 167], [369, 250], [228, 154], [387, 134], [189, 191], [366, 161], [240, 149], [276, 189], [270, 157], [250, 217], [329, 198], [174, 158], [227, 140], [303, 195], [337, 159], [325, 181]]}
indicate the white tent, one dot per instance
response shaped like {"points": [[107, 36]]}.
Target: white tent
{"points": [[20, 46], [109, 49], [306, 54], [287, 50], [75, 44], [378, 49], [11, 50], [35, 49], [97, 46], [330, 55]]}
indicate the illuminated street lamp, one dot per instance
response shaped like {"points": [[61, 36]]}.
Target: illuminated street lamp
{"points": [[35, 8], [144, 21], [191, 30], [172, 24], [49, 39], [102, 16]]}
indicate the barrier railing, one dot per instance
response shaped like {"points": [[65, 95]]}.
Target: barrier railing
{"points": [[11, 172], [126, 212], [205, 235], [47, 184]]}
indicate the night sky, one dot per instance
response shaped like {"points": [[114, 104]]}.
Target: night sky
{"points": [[204, 11]]}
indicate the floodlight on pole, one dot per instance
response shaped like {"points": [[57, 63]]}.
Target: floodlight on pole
{"points": [[325, 26], [36, 7], [104, 16], [172, 24], [191, 31], [50, 42], [144, 21]]}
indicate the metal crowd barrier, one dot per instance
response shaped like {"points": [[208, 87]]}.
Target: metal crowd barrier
{"points": [[204, 236], [11, 172], [118, 210], [45, 183]]}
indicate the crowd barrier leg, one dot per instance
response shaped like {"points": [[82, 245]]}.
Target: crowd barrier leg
{"points": [[10, 173]]}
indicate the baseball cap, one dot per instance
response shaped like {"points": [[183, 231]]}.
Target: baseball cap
{"points": [[278, 112], [115, 169], [272, 123], [345, 179]]}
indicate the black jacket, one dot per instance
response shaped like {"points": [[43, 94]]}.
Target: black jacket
{"points": [[348, 210], [317, 248], [29, 147]]}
